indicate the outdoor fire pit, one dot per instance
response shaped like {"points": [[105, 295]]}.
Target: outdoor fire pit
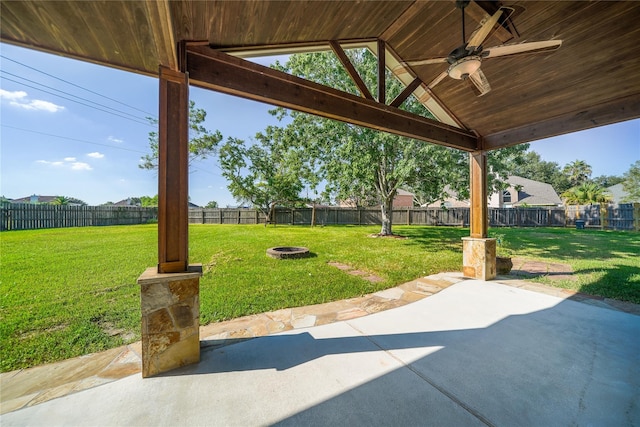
{"points": [[282, 252]]}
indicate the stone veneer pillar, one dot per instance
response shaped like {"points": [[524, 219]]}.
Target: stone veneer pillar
{"points": [[170, 306], [479, 258]]}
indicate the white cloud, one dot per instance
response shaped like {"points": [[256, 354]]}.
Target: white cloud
{"points": [[18, 94], [95, 155], [68, 162], [46, 162], [114, 139], [81, 166], [20, 99]]}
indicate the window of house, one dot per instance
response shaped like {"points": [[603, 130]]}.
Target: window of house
{"points": [[506, 196]]}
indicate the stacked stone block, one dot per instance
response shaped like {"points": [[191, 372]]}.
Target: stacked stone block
{"points": [[170, 319]]}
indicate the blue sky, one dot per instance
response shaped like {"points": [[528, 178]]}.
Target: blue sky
{"points": [[76, 129]]}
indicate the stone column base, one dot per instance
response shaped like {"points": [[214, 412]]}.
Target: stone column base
{"points": [[170, 306], [479, 258]]}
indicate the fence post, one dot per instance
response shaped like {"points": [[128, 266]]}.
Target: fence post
{"points": [[604, 216], [636, 216]]}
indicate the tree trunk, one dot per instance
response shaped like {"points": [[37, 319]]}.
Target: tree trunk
{"points": [[387, 212]]}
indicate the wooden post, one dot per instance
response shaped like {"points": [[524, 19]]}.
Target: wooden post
{"points": [[173, 172], [478, 252], [636, 216], [478, 176], [604, 216]]}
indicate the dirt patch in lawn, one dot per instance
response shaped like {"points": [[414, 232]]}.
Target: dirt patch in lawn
{"points": [[354, 272], [536, 268], [388, 236]]}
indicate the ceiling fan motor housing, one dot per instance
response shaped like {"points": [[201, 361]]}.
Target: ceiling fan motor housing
{"points": [[464, 67]]}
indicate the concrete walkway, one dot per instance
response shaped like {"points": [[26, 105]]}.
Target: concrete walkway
{"points": [[465, 353]]}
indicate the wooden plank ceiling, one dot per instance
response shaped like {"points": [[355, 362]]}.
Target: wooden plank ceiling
{"points": [[592, 80]]}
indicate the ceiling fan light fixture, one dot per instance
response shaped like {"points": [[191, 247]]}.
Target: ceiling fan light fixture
{"points": [[464, 67]]}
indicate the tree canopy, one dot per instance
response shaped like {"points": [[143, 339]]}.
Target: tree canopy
{"points": [[202, 142], [365, 166], [266, 173], [631, 183], [586, 193], [578, 172]]}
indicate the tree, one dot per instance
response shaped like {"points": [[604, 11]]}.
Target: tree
{"points": [[533, 167], [631, 183], [607, 180], [212, 205], [202, 142], [61, 201], [366, 165], [577, 172], [586, 193], [147, 201], [265, 173]]}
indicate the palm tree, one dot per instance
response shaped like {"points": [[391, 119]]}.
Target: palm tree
{"points": [[587, 193], [577, 172], [60, 200]]}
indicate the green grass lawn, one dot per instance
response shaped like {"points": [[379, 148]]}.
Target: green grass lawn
{"points": [[67, 292]]}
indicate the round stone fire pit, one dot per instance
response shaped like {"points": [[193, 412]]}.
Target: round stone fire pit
{"points": [[282, 252]]}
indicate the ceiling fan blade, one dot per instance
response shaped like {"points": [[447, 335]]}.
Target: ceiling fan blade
{"points": [[480, 84], [481, 34], [426, 61], [531, 47], [437, 80]]}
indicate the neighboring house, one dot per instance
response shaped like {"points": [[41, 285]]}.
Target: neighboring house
{"points": [[450, 202], [617, 194], [37, 199], [134, 201], [128, 202], [523, 191], [520, 192], [403, 199]]}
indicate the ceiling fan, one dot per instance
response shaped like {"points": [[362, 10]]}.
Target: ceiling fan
{"points": [[465, 60]]}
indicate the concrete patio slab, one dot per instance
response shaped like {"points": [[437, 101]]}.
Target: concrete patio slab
{"points": [[476, 353]]}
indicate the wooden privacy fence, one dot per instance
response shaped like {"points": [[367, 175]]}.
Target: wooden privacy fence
{"points": [[25, 216], [30, 217], [623, 217]]}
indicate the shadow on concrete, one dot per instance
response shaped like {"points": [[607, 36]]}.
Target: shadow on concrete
{"points": [[571, 364]]}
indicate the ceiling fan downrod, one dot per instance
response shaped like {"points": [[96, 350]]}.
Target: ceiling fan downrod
{"points": [[462, 4]]}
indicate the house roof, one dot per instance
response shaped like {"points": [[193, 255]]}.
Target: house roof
{"points": [[617, 194], [591, 80], [40, 199], [534, 192]]}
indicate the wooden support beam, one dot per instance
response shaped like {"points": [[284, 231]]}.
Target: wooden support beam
{"points": [[382, 70], [479, 211], [402, 96], [224, 73], [351, 70], [173, 172], [614, 111]]}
